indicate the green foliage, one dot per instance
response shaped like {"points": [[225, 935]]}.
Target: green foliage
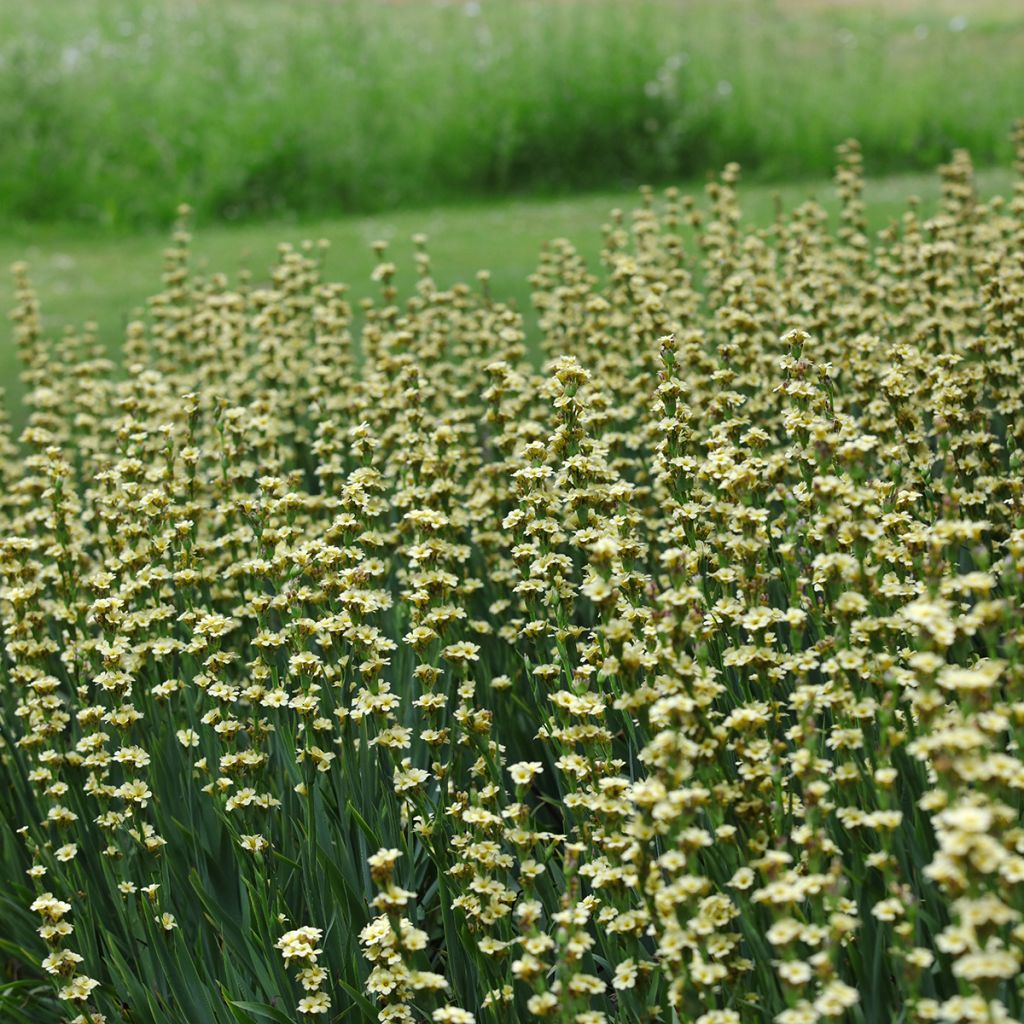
{"points": [[115, 111]]}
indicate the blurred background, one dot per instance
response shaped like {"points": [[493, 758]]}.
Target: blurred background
{"points": [[491, 124], [113, 111]]}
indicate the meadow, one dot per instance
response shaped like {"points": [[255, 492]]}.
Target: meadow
{"points": [[442, 582], [114, 111], [356, 667]]}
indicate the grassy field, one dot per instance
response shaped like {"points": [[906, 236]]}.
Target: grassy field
{"points": [[113, 111], [83, 275], [644, 651]]}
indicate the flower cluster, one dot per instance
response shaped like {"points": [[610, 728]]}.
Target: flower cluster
{"points": [[300, 944], [674, 675]]}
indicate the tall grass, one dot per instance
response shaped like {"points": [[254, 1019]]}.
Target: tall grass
{"points": [[114, 111]]}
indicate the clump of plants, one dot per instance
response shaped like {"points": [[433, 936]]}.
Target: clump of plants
{"points": [[354, 668]]}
